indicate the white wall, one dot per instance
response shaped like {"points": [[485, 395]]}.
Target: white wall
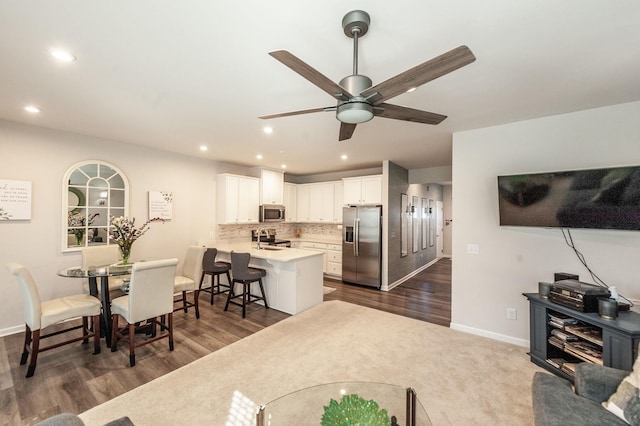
{"points": [[513, 260], [43, 156]]}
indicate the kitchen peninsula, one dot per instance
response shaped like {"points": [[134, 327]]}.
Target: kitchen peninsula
{"points": [[294, 277]]}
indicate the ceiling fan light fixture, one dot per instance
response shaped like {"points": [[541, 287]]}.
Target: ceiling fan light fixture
{"points": [[354, 112]]}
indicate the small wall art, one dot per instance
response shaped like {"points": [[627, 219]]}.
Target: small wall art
{"points": [[160, 205], [15, 200]]}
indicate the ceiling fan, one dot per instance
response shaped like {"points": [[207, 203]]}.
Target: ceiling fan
{"points": [[358, 100]]}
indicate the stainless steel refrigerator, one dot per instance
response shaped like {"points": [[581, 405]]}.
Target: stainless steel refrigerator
{"points": [[362, 245]]}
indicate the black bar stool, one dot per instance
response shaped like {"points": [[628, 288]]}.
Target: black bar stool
{"points": [[215, 269], [245, 275]]}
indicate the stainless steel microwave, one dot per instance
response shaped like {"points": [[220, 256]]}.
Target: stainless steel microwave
{"points": [[271, 213]]}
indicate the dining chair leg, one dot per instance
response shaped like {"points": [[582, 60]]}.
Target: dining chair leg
{"points": [[184, 301], [196, 295], [132, 349], [201, 280], [96, 334], [85, 326], [114, 333], [170, 325], [35, 347], [27, 343]]}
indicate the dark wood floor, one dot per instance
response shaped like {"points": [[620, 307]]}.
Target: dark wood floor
{"points": [[71, 379]]}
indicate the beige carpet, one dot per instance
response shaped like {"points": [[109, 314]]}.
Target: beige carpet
{"points": [[460, 379]]}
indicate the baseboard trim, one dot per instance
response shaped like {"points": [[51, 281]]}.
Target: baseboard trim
{"points": [[406, 277], [11, 330], [490, 335]]}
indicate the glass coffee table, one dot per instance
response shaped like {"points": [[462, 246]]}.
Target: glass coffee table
{"points": [[307, 406]]}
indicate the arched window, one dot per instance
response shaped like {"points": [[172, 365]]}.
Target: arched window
{"points": [[93, 191]]}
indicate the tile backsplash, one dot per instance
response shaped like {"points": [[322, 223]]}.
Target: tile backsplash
{"points": [[243, 232]]}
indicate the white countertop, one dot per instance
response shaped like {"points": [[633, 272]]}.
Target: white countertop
{"points": [[277, 254]]}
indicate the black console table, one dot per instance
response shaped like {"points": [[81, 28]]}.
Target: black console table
{"points": [[585, 337]]}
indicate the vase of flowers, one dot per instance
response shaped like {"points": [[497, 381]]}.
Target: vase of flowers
{"points": [[124, 233], [78, 222]]}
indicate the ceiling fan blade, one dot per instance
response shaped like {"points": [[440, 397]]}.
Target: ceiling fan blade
{"points": [[408, 114], [346, 131], [303, 111], [420, 74], [311, 74]]}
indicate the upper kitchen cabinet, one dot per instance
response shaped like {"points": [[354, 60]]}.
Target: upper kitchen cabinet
{"points": [[338, 195], [238, 199], [321, 202], [290, 202], [302, 202], [363, 190], [271, 185], [316, 202]]}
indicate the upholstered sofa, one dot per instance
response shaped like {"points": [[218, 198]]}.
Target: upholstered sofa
{"points": [[556, 403]]}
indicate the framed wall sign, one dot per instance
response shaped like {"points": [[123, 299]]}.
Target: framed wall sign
{"points": [[424, 211], [415, 216], [15, 200], [404, 226], [160, 205], [432, 224]]}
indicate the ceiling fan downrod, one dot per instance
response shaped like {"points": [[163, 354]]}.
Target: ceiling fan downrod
{"points": [[356, 24]]}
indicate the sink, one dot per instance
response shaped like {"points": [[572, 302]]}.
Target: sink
{"points": [[271, 248]]}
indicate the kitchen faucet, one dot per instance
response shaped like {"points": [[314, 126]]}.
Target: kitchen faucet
{"points": [[260, 231]]}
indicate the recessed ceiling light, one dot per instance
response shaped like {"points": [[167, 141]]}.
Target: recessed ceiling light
{"points": [[412, 89], [259, 156], [283, 166], [268, 130], [62, 55], [203, 148], [344, 156], [32, 109]]}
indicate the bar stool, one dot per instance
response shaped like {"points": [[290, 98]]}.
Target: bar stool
{"points": [[245, 275], [215, 269]]}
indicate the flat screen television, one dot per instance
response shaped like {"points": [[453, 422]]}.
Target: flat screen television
{"points": [[597, 198]]}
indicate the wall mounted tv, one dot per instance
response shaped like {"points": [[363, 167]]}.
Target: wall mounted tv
{"points": [[598, 198]]}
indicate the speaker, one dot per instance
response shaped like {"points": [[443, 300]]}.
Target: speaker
{"points": [[559, 276], [608, 308]]}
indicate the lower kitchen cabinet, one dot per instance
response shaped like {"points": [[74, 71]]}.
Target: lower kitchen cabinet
{"points": [[334, 260]]}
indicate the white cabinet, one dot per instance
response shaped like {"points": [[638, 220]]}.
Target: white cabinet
{"points": [[363, 190], [271, 185], [321, 202], [302, 195], [338, 196], [334, 260], [238, 199], [317, 202], [290, 202]]}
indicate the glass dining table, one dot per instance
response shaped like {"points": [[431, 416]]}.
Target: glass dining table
{"points": [[92, 273]]}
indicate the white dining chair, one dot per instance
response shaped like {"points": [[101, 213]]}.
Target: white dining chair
{"points": [[189, 279], [40, 315], [102, 255], [148, 304]]}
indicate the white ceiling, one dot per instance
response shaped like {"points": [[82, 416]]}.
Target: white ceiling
{"points": [[174, 75]]}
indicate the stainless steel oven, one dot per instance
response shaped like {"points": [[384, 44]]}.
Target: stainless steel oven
{"points": [[271, 213]]}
